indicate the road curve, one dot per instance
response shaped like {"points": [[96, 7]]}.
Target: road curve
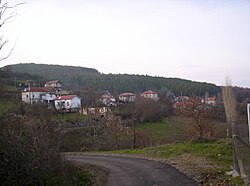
{"points": [[127, 171]]}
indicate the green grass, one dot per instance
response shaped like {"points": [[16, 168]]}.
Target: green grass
{"points": [[11, 88], [168, 130], [65, 117], [5, 104], [218, 151]]}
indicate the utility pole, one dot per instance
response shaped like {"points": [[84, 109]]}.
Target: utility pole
{"points": [[248, 116], [15, 82]]}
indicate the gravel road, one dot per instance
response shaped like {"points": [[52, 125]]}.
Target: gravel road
{"points": [[127, 171]]}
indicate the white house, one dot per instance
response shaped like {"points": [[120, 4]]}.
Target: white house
{"points": [[150, 95], [34, 94], [68, 103], [126, 97]]}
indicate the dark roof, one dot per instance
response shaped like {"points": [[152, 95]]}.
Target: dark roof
{"points": [[37, 89], [63, 92], [52, 82], [127, 94]]}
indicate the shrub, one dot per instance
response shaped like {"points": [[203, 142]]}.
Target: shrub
{"points": [[30, 150]]}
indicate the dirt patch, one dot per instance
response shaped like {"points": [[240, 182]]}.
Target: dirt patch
{"points": [[198, 168]]}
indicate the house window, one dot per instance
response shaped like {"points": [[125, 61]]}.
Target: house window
{"points": [[33, 96], [67, 103], [27, 96]]}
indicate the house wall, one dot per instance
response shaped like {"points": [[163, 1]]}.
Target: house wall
{"points": [[130, 98], [60, 104], [48, 97], [73, 104], [150, 96], [31, 97]]}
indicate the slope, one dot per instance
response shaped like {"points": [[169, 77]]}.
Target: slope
{"points": [[87, 78]]}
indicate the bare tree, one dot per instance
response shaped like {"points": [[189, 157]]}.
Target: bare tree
{"points": [[231, 114], [7, 13], [198, 124], [229, 103], [115, 129]]}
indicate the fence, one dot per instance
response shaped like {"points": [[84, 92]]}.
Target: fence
{"points": [[243, 151]]}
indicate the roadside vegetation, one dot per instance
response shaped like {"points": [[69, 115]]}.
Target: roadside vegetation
{"points": [[30, 150], [207, 161]]}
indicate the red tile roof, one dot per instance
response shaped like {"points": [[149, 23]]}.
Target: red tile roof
{"points": [[69, 97], [211, 99], [149, 92]]}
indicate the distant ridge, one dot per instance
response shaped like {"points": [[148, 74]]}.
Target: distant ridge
{"points": [[50, 70], [81, 78]]}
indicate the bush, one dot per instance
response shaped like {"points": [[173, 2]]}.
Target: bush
{"points": [[30, 150]]}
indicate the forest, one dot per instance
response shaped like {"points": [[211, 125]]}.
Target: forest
{"points": [[80, 78]]}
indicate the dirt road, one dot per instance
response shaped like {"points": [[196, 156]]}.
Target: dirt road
{"points": [[126, 171]]}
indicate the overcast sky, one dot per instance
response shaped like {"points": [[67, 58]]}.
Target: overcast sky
{"points": [[191, 39]]}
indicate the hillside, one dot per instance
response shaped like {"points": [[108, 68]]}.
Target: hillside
{"points": [[52, 71], [87, 78]]}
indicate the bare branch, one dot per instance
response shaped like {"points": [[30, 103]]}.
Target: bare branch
{"points": [[4, 20], [8, 55], [2, 44]]}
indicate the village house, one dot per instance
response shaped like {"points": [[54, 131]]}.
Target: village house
{"points": [[150, 95], [53, 96], [34, 95], [126, 97], [69, 103], [180, 101], [211, 101], [56, 85], [182, 98], [27, 84], [107, 99]]}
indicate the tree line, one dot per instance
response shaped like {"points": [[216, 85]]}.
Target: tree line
{"points": [[80, 78]]}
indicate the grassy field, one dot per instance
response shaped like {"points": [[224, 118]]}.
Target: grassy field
{"points": [[172, 130], [8, 98], [69, 117], [217, 151], [168, 130]]}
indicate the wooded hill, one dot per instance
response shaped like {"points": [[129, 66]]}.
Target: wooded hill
{"points": [[78, 78]]}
